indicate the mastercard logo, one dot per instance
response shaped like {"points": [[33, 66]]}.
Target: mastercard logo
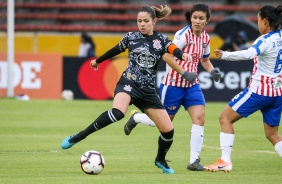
{"points": [[100, 84]]}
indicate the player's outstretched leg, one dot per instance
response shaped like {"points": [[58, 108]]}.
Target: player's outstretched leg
{"points": [[130, 124], [69, 141], [105, 119]]}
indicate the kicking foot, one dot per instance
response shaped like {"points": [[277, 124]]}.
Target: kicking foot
{"points": [[68, 142], [164, 166]]}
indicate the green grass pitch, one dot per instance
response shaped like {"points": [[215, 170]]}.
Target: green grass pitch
{"points": [[31, 133]]}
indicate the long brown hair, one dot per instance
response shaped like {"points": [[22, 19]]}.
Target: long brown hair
{"points": [[156, 12]]}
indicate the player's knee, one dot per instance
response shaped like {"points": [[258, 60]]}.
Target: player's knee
{"points": [[167, 136], [118, 115]]}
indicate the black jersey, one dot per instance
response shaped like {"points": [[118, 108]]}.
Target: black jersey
{"points": [[145, 52]]}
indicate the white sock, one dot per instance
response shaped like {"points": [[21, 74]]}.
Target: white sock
{"points": [[278, 148], [144, 119], [226, 144], [196, 142]]}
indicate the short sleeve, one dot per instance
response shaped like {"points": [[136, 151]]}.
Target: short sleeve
{"points": [[207, 50], [179, 40], [123, 44]]}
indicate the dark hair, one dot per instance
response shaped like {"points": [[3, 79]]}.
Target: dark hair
{"points": [[197, 7], [156, 12], [88, 39], [273, 15]]}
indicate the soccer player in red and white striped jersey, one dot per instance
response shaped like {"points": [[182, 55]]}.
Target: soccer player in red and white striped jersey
{"points": [[196, 45], [175, 91], [264, 91]]}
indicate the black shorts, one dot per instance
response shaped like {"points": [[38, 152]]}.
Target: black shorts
{"points": [[141, 98]]}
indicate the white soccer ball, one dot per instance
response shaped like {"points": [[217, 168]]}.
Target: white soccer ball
{"points": [[67, 95], [92, 162]]}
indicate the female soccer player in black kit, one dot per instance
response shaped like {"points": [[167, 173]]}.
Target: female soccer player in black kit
{"points": [[137, 83]]}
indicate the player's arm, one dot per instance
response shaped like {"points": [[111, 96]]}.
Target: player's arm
{"points": [[207, 65], [189, 76], [169, 59], [109, 54], [237, 55], [174, 50], [205, 60], [120, 47]]}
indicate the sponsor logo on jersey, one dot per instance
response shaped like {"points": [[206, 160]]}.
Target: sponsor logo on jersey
{"points": [[133, 43], [146, 60]]}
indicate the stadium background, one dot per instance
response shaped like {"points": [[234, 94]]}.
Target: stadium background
{"points": [[47, 35]]}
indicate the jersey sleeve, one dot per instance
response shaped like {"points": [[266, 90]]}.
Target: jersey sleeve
{"points": [[257, 47], [123, 44], [120, 47], [207, 50], [240, 55], [180, 40], [260, 45], [167, 42]]}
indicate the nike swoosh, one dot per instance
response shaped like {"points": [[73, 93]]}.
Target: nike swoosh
{"points": [[220, 167]]}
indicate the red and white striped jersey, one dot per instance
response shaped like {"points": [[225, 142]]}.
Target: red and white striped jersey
{"points": [[197, 46], [266, 51]]}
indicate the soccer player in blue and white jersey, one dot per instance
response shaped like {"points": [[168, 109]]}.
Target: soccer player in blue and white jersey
{"points": [[264, 91]]}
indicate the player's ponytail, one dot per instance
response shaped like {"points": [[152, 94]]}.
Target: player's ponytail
{"points": [[156, 12], [278, 12], [162, 11]]}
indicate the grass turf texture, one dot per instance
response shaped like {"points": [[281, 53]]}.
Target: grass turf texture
{"points": [[31, 133]]}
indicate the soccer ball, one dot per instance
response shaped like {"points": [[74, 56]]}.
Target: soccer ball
{"points": [[92, 162], [67, 95]]}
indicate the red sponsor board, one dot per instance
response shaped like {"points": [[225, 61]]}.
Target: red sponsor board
{"points": [[87, 83], [37, 75]]}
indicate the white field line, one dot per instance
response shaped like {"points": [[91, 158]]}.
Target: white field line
{"points": [[263, 151], [256, 151], [211, 147]]}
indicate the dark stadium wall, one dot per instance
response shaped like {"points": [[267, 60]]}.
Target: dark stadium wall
{"points": [[89, 84], [45, 76], [99, 85]]}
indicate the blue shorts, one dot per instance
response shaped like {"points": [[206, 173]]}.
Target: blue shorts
{"points": [[246, 103], [173, 97]]}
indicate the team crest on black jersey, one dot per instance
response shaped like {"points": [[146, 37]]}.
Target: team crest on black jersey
{"points": [[157, 44], [127, 88]]}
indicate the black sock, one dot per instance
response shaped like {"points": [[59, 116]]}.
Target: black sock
{"points": [[165, 141], [105, 119]]}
